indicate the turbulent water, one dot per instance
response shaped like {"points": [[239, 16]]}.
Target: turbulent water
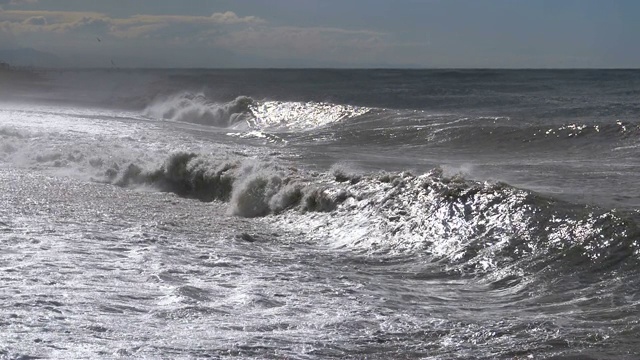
{"points": [[314, 214]]}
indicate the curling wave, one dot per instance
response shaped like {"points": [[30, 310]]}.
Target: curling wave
{"points": [[290, 116], [472, 226], [198, 109], [253, 188], [246, 112]]}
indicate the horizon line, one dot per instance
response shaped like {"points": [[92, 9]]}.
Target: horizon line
{"points": [[112, 68]]}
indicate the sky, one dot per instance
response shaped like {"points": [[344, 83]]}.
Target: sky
{"points": [[327, 33]]}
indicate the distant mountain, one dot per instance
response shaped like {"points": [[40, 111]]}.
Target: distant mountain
{"points": [[29, 57]]}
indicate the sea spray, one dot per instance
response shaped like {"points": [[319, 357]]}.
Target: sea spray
{"points": [[244, 112], [251, 187], [475, 226], [196, 108]]}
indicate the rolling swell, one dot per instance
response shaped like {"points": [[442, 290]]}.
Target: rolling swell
{"points": [[472, 226], [387, 128]]}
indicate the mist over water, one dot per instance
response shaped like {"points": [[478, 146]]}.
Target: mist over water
{"points": [[320, 214]]}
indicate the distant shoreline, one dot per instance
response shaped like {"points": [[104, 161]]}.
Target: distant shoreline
{"points": [[7, 66]]}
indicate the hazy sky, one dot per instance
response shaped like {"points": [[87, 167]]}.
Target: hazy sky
{"points": [[328, 33]]}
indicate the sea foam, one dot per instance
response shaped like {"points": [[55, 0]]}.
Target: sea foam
{"points": [[244, 112]]}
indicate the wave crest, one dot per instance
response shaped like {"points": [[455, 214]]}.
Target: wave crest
{"points": [[197, 109], [471, 226], [261, 115], [281, 115], [252, 188]]}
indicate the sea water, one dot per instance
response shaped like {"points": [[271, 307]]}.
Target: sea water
{"points": [[439, 214]]}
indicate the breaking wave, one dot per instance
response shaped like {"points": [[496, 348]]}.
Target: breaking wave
{"points": [[253, 188], [478, 226], [279, 115], [197, 109], [246, 112], [473, 226]]}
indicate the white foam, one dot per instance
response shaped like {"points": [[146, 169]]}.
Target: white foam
{"points": [[196, 108], [244, 112], [296, 116]]}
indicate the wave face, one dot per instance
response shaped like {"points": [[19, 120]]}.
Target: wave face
{"points": [[197, 109], [473, 226], [253, 188], [291, 116], [245, 111]]}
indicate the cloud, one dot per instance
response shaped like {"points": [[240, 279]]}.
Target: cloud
{"points": [[319, 43], [227, 31], [230, 17], [16, 2], [53, 17], [7, 39], [86, 25], [36, 21], [136, 26], [176, 28], [50, 23]]}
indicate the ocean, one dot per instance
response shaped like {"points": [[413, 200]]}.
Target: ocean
{"points": [[314, 214]]}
